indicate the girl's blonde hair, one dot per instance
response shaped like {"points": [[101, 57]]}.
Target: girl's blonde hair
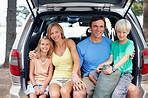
{"points": [[38, 49], [123, 24], [56, 25]]}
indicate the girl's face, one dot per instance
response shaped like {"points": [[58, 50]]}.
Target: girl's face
{"points": [[45, 45], [55, 34], [122, 34]]}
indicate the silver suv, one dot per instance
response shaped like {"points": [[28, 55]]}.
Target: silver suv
{"points": [[74, 16]]}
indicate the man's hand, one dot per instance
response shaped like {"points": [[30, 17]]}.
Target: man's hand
{"points": [[99, 68], [133, 55]]}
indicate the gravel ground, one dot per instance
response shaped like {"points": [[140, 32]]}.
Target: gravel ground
{"points": [[5, 83]]}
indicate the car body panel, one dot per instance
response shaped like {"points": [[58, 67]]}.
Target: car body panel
{"points": [[74, 12]]}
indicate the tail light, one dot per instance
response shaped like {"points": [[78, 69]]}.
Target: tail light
{"points": [[14, 63], [145, 61]]}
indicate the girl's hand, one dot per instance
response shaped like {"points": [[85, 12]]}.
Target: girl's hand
{"points": [[99, 68], [108, 70], [37, 90], [32, 54], [42, 90], [77, 83]]}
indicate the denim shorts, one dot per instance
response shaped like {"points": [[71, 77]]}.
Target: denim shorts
{"points": [[30, 89], [122, 86], [60, 81]]}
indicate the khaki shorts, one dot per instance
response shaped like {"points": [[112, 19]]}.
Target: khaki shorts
{"points": [[60, 81]]}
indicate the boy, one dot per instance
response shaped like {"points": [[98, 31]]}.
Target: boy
{"points": [[121, 53]]}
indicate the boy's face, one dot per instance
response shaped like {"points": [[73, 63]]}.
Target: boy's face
{"points": [[122, 34]]}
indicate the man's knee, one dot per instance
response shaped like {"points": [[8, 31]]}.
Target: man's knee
{"points": [[79, 94]]}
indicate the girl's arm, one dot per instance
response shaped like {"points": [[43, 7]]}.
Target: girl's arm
{"points": [[47, 81], [118, 64], [31, 76], [76, 80], [109, 61]]}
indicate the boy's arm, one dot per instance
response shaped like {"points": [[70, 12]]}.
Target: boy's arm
{"points": [[109, 61], [122, 61], [118, 64]]}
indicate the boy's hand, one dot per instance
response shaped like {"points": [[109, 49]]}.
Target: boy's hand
{"points": [[108, 70], [99, 68]]}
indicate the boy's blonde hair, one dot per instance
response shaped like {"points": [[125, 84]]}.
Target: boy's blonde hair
{"points": [[38, 49], [123, 24], [56, 25]]}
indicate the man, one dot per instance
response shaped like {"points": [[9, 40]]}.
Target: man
{"points": [[93, 51]]}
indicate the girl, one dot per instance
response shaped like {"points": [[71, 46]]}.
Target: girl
{"points": [[41, 69]]}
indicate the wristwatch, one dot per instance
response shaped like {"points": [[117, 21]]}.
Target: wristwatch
{"points": [[113, 68]]}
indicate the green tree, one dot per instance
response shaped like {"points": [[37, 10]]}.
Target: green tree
{"points": [[137, 8], [145, 19], [21, 13]]}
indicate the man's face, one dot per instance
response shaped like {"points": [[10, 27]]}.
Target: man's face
{"points": [[97, 28]]}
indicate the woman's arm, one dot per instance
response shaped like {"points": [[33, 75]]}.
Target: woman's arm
{"points": [[76, 80], [32, 54]]}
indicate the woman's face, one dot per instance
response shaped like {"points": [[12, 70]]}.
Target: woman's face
{"points": [[55, 34]]}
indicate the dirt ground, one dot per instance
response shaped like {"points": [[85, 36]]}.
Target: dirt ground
{"points": [[5, 83]]}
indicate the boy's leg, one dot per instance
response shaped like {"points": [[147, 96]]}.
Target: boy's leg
{"points": [[66, 90], [122, 87], [133, 91], [92, 78]]}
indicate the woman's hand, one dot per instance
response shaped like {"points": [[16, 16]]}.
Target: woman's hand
{"points": [[32, 54], [108, 70], [99, 68], [77, 83]]}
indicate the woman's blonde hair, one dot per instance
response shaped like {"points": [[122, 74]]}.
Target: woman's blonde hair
{"points": [[38, 49], [56, 25], [123, 24]]}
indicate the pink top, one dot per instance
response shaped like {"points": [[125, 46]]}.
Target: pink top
{"points": [[41, 70]]}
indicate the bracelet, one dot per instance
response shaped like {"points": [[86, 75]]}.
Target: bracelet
{"points": [[34, 85], [74, 72]]}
